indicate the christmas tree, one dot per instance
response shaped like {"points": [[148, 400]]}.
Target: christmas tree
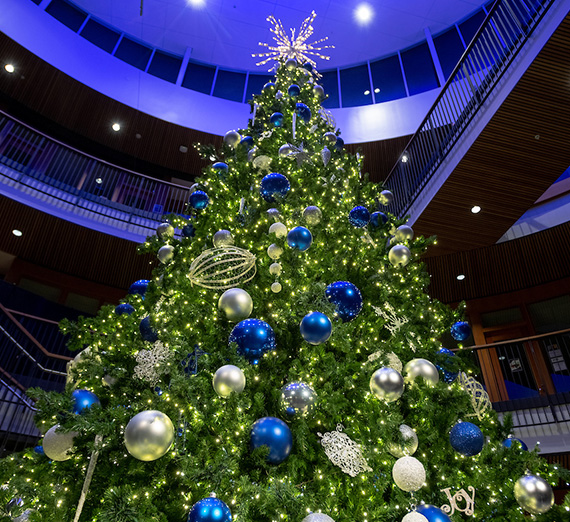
{"points": [[283, 364]]}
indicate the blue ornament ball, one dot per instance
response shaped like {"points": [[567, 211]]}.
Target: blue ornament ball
{"points": [[254, 338], [246, 142], [139, 287], [39, 450], [377, 219], [276, 119], [338, 146], [268, 86], [275, 434], [359, 217], [188, 230], [346, 298], [294, 90], [432, 513], [508, 443], [210, 510], [221, 168], [303, 112], [300, 238], [148, 333], [83, 400], [316, 328], [199, 200], [448, 376], [124, 308], [460, 331], [274, 184], [466, 438]]}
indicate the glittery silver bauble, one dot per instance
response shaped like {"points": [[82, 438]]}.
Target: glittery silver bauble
{"points": [[406, 442], [386, 197], [165, 253], [409, 474], [285, 150], [262, 162], [149, 435], [236, 304], [330, 138], [165, 230], [223, 238], [290, 64], [399, 255], [534, 494], [275, 269], [274, 251], [387, 384], [312, 215], [274, 213], [297, 400], [279, 229], [404, 233], [326, 155], [414, 517], [417, 368], [57, 445], [276, 287], [232, 138], [228, 379], [317, 517]]}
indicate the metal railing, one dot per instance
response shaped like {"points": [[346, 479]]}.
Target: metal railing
{"points": [[505, 30]]}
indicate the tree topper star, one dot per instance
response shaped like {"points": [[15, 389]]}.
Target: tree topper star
{"points": [[297, 48]]}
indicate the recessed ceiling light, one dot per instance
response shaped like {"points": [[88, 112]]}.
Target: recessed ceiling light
{"points": [[197, 3], [17, 232], [9, 68], [98, 181], [363, 14], [476, 209], [366, 92], [116, 127], [405, 157], [461, 277], [377, 90]]}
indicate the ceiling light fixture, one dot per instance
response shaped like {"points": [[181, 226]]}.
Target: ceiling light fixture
{"points": [[366, 92], [377, 90], [405, 157], [198, 4], [116, 127], [476, 209], [461, 277], [9, 68], [17, 232], [363, 14]]}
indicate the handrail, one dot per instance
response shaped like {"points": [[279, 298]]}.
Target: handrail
{"points": [[24, 314], [512, 341]]}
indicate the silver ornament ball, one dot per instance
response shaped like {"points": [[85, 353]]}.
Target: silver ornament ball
{"points": [[232, 138], [319, 92], [534, 494], [149, 435], [274, 251], [405, 444], [279, 229], [290, 64], [236, 304], [165, 230], [285, 150], [409, 474], [399, 255], [57, 445], [252, 153], [276, 287], [423, 368], [275, 269], [165, 253], [223, 238], [297, 400], [330, 138], [387, 384], [386, 197], [278, 95], [274, 213], [404, 233], [312, 215], [317, 517], [228, 379], [414, 516]]}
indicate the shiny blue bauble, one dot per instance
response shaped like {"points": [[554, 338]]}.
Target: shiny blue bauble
{"points": [[246, 143], [359, 217], [139, 287], [199, 199], [83, 400], [508, 443], [432, 513], [148, 333], [303, 112], [448, 376], [300, 238], [124, 308], [267, 86], [188, 230], [307, 66], [346, 298], [39, 450], [338, 146], [221, 168], [466, 438], [377, 219], [275, 434], [274, 184], [316, 328], [210, 510], [254, 338], [276, 119], [293, 90], [460, 331]]}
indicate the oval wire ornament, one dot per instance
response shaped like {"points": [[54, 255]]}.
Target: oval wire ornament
{"points": [[222, 268]]}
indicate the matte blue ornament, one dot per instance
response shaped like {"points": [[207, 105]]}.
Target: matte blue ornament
{"points": [[460, 331], [139, 287], [432, 513], [508, 443], [39, 450], [300, 238], [294, 90], [316, 328], [303, 112], [275, 434], [188, 230], [254, 338], [378, 219], [346, 298], [210, 510], [276, 119], [246, 143], [268, 86], [338, 146], [466, 438], [83, 400], [448, 376], [124, 308], [199, 199], [274, 184], [359, 217], [148, 333]]}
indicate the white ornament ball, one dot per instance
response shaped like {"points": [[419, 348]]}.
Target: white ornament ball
{"points": [[276, 287], [386, 197], [317, 517], [279, 229], [404, 233], [57, 445], [262, 162], [274, 251], [409, 474], [149, 435], [165, 253], [275, 269], [228, 379], [223, 238], [417, 368], [312, 215], [165, 230], [414, 517], [387, 384], [236, 304], [399, 255]]}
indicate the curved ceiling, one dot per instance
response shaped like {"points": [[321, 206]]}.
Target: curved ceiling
{"points": [[227, 32]]}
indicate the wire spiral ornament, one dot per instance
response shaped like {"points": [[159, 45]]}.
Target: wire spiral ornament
{"points": [[479, 397], [344, 452]]}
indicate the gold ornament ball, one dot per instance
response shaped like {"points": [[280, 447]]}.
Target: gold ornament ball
{"points": [[313, 215], [276, 287], [274, 251], [399, 255], [279, 229], [404, 233], [165, 253], [236, 304], [417, 368], [223, 238], [149, 435], [57, 445], [409, 474], [534, 494], [228, 379], [275, 269]]}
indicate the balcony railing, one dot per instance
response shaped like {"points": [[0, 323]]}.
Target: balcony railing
{"points": [[504, 32]]}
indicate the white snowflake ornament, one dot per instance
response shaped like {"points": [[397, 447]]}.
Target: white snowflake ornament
{"points": [[151, 362]]}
